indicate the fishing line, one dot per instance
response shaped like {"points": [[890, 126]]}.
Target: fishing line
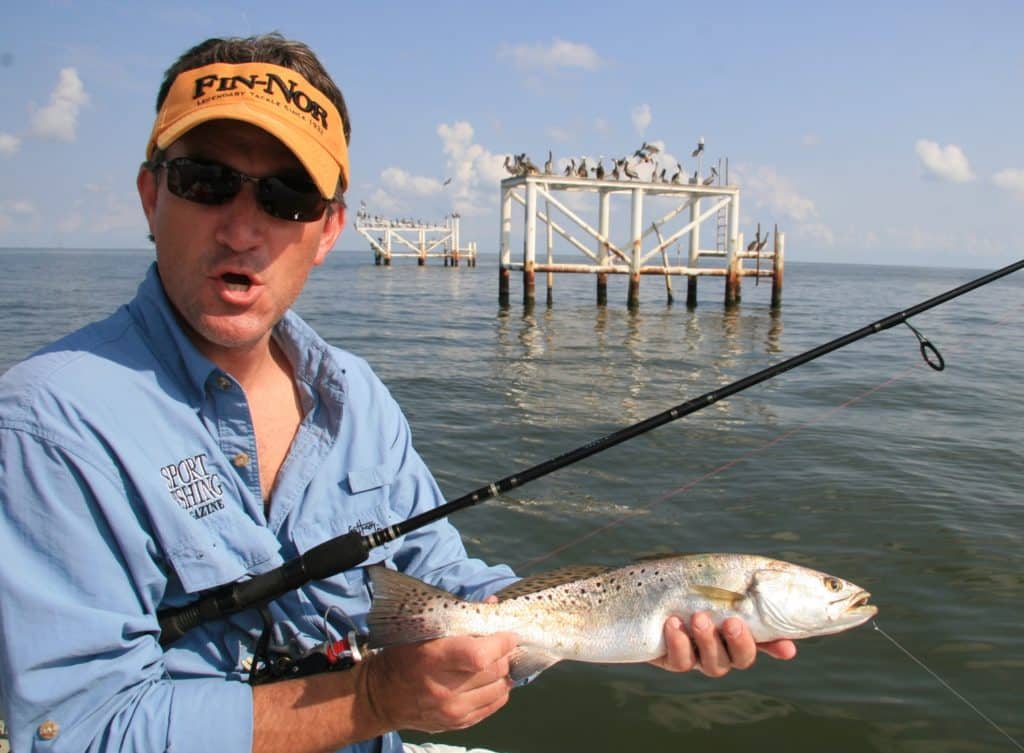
{"points": [[348, 550], [948, 687], [719, 470]]}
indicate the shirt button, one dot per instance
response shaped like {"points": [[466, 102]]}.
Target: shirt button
{"points": [[49, 729], [223, 382], [241, 460]]}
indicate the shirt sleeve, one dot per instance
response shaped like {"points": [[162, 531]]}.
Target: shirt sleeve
{"points": [[435, 553], [79, 587]]}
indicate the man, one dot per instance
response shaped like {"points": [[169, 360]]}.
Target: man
{"points": [[204, 434]]}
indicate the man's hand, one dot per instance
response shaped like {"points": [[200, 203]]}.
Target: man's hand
{"points": [[714, 652], [443, 684]]}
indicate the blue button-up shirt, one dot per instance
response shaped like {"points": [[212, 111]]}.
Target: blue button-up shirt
{"points": [[129, 482]]}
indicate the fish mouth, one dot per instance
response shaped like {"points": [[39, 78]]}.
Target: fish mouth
{"points": [[859, 606]]}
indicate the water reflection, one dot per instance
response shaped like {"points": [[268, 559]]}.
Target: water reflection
{"points": [[622, 365]]}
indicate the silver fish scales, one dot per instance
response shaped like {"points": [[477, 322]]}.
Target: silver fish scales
{"points": [[603, 615]]}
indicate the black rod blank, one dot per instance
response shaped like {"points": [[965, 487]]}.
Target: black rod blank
{"points": [[348, 550]]}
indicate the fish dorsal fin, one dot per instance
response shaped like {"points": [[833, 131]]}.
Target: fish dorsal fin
{"points": [[661, 556], [719, 595], [550, 579]]}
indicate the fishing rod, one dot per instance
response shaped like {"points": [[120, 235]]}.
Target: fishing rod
{"points": [[348, 550]]}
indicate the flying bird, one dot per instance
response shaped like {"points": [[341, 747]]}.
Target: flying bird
{"points": [[700, 147]]}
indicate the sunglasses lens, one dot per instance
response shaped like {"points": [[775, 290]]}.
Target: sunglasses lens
{"points": [[202, 182], [291, 198], [287, 197]]}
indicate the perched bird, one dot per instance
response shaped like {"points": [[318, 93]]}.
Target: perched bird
{"points": [[693, 178], [582, 171], [630, 172], [599, 170], [549, 166], [570, 169], [764, 242], [512, 168], [752, 245], [678, 174], [615, 169], [711, 177]]}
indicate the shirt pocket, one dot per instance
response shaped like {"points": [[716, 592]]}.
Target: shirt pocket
{"points": [[363, 505], [220, 551]]}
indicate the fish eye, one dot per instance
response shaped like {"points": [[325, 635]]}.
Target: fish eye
{"points": [[833, 584]]}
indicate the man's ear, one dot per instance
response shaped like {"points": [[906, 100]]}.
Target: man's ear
{"points": [[333, 225], [147, 184]]}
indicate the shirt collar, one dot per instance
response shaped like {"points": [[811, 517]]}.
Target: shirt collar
{"points": [[305, 349]]}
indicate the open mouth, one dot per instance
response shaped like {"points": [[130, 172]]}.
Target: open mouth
{"points": [[235, 281], [860, 602]]}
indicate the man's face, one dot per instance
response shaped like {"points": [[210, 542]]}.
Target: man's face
{"points": [[232, 270]]}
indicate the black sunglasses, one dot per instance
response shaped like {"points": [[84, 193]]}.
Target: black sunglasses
{"points": [[287, 197]]}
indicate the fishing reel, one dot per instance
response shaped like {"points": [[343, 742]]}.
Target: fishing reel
{"points": [[329, 656]]}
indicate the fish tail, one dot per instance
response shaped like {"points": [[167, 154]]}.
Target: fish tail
{"points": [[406, 610]]}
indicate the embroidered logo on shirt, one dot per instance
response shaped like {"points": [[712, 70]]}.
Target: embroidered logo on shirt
{"points": [[195, 488]]}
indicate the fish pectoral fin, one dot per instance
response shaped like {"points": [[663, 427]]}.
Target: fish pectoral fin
{"points": [[525, 662], [721, 595]]}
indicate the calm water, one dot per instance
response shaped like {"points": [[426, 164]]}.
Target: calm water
{"points": [[865, 463]]}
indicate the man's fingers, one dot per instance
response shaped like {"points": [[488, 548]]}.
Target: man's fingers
{"points": [[782, 649]]}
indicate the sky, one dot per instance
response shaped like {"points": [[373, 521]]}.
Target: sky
{"points": [[870, 132]]}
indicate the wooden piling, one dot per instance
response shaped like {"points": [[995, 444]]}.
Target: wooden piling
{"points": [[777, 265]]}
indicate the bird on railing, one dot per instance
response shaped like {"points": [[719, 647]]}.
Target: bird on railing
{"points": [[615, 169], [752, 245], [711, 177], [630, 172], [693, 178], [677, 175], [549, 166], [528, 168], [513, 169], [570, 169], [645, 151], [763, 243], [599, 169], [582, 171]]}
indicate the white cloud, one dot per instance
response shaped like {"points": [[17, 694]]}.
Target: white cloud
{"points": [[9, 144], [944, 162], [1010, 179], [768, 189], [59, 119], [397, 180], [475, 171], [558, 54], [641, 117], [17, 214]]}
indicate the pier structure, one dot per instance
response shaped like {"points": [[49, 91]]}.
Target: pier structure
{"points": [[394, 238], [645, 250]]}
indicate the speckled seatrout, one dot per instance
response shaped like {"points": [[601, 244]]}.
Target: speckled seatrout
{"points": [[598, 614]]}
